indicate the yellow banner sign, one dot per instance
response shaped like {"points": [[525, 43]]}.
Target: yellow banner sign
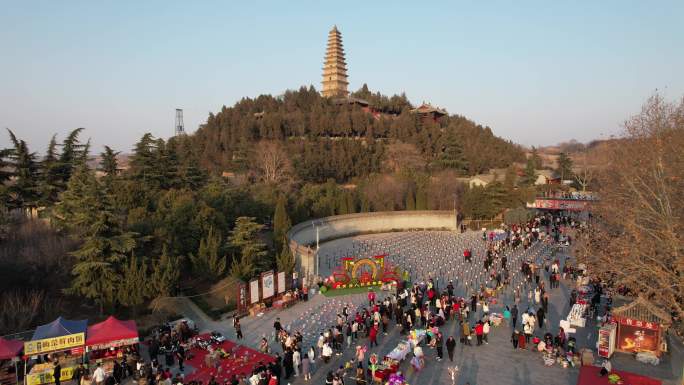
{"points": [[54, 344], [46, 377]]}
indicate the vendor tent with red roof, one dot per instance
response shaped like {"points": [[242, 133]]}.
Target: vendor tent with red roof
{"points": [[10, 348], [111, 333]]}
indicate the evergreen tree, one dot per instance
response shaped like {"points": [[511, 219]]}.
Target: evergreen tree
{"points": [[109, 166], [208, 260], [24, 191], [422, 199], [410, 199], [134, 284], [72, 153], [564, 168], [143, 163], [281, 223], [99, 259], [452, 155], [251, 254], [285, 261], [530, 175], [192, 175], [536, 159], [5, 176], [108, 162], [165, 275], [50, 181]]}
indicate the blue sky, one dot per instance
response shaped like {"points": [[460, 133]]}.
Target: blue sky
{"points": [[535, 72]]}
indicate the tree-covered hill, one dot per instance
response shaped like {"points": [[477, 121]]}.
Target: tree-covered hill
{"points": [[327, 139]]}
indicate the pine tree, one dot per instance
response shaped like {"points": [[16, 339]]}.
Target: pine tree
{"points": [[530, 175], [24, 192], [422, 199], [50, 182], [99, 259], [536, 159], [109, 166], [143, 163], [285, 261], [564, 168], [72, 153], [451, 155], [165, 275], [410, 199], [208, 260], [281, 223], [133, 291], [251, 254]]}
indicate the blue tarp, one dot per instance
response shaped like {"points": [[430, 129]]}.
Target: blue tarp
{"points": [[60, 327]]}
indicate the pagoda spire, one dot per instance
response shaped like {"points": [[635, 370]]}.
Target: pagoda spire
{"points": [[334, 68]]}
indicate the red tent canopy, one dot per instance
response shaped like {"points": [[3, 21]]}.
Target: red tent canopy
{"points": [[111, 331], [10, 348], [589, 375]]}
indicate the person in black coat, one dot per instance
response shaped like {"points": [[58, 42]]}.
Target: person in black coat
{"points": [[57, 372], [117, 372], [450, 345], [514, 315], [288, 363], [540, 317]]}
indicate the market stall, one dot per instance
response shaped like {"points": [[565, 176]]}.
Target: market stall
{"points": [[9, 357], [108, 340], [641, 327], [61, 340]]}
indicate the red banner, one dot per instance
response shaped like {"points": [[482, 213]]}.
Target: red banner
{"points": [[638, 324], [559, 204]]}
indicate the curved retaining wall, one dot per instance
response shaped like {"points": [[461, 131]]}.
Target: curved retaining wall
{"points": [[302, 236]]}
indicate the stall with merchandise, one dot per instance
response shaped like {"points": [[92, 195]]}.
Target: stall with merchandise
{"points": [[61, 341], [9, 358], [641, 328], [108, 341]]}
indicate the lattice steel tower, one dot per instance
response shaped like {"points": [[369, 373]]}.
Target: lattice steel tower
{"points": [[179, 128]]}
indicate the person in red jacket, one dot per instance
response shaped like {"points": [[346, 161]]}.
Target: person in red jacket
{"points": [[373, 335], [467, 255], [479, 331], [371, 297]]}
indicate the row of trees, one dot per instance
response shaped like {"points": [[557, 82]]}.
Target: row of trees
{"points": [[636, 239]]}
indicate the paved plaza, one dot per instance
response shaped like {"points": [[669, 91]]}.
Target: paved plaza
{"points": [[439, 255]]}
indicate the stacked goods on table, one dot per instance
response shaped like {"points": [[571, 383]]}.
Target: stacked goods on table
{"points": [[222, 360]]}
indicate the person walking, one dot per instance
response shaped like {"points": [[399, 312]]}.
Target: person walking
{"points": [[479, 331], [465, 332], [514, 338], [99, 375], [296, 361], [514, 315], [238, 328], [373, 336], [485, 332], [540, 317], [439, 346], [450, 345], [306, 367]]}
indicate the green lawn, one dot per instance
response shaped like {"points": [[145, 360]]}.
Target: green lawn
{"points": [[353, 290]]}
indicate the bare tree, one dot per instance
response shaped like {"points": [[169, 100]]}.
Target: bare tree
{"points": [[272, 162], [637, 237]]}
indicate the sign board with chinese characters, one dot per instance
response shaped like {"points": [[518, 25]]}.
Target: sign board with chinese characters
{"points": [[639, 324], [47, 378], [636, 336], [267, 285], [254, 291], [281, 282], [54, 344]]}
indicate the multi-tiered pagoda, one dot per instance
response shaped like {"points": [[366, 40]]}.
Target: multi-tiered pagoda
{"points": [[335, 68]]}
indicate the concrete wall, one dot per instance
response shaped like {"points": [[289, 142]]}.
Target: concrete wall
{"points": [[302, 237]]}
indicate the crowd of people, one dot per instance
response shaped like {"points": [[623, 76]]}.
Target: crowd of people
{"points": [[422, 305]]}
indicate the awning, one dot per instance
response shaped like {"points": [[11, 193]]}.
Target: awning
{"points": [[60, 327], [112, 333], [10, 348]]}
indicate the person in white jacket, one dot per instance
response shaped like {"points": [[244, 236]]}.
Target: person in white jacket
{"points": [[296, 361]]}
